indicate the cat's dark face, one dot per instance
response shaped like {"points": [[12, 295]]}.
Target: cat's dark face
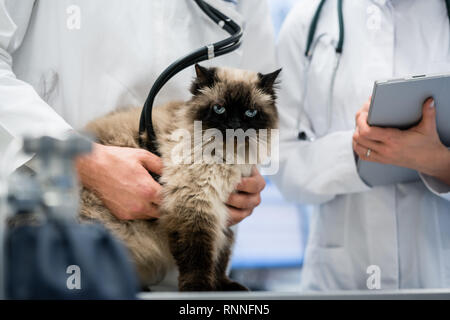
{"points": [[234, 99]]}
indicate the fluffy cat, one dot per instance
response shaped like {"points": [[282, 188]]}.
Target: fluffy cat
{"points": [[192, 233]]}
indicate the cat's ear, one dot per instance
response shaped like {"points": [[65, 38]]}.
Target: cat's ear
{"points": [[267, 82], [206, 77]]}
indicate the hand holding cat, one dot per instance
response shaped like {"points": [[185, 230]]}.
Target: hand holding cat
{"points": [[246, 198], [418, 148], [122, 182], [119, 176]]}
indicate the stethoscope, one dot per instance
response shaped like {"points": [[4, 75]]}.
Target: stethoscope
{"points": [[311, 44], [207, 52]]}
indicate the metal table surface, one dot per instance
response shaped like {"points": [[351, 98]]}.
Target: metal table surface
{"points": [[422, 294]]}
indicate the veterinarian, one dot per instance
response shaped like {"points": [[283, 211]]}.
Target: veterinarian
{"points": [[63, 64], [389, 237]]}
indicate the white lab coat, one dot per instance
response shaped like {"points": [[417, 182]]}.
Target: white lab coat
{"points": [[403, 229], [55, 77]]}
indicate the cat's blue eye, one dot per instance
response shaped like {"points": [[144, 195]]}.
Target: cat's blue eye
{"points": [[218, 109], [251, 113]]}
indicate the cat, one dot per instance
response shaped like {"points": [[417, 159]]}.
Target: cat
{"points": [[192, 233]]}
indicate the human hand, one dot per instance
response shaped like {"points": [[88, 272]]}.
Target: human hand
{"points": [[119, 176], [246, 198], [418, 148]]}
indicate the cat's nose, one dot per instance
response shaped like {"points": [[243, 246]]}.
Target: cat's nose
{"points": [[235, 124]]}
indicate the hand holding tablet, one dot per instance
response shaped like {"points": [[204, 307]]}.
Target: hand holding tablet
{"points": [[388, 153]]}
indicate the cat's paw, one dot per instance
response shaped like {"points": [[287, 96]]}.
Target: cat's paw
{"points": [[195, 286], [229, 285]]}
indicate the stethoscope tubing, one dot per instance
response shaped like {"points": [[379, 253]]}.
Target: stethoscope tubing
{"points": [[301, 113], [309, 53], [205, 53]]}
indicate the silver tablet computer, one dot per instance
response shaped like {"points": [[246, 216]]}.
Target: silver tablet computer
{"points": [[397, 103]]}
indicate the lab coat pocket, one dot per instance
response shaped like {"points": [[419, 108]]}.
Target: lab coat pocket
{"points": [[328, 228], [330, 269]]}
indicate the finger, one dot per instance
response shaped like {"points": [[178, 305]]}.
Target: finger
{"points": [[253, 184], [153, 212], [372, 132], [362, 152], [366, 105], [155, 195], [151, 162], [367, 143], [244, 200], [149, 189], [143, 211], [365, 108], [237, 215], [428, 121]]}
